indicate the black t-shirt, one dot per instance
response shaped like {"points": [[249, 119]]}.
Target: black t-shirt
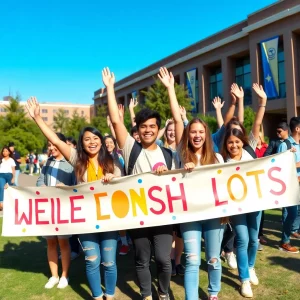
{"points": [[17, 156]]}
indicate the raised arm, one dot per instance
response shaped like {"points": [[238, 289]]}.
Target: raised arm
{"points": [[162, 130], [113, 111], [238, 93], [218, 104], [109, 124], [168, 81], [262, 101], [230, 113], [132, 104], [34, 112], [183, 115]]}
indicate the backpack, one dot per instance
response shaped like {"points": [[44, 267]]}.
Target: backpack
{"points": [[274, 144], [137, 149]]}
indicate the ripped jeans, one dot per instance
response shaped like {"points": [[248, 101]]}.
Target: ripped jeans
{"points": [[212, 231], [100, 248]]}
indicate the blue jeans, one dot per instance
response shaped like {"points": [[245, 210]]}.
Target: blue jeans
{"points": [[4, 179], [17, 173], [212, 231], [100, 248], [246, 227], [290, 222]]}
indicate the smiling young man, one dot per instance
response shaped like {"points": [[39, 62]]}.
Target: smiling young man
{"points": [[139, 158]]}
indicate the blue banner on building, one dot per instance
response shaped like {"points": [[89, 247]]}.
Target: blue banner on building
{"points": [[269, 54], [191, 86]]}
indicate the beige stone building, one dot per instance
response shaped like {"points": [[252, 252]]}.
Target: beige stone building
{"points": [[48, 110], [233, 55]]}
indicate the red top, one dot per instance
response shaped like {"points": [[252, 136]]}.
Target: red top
{"points": [[260, 152]]}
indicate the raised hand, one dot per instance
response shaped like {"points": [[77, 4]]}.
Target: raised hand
{"points": [[259, 90], [182, 112], [217, 103], [33, 107], [237, 91], [108, 77], [133, 103], [165, 77], [108, 121], [121, 111]]}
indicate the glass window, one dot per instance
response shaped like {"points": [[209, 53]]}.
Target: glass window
{"points": [[215, 86], [281, 71], [82, 113], [196, 96], [54, 111], [243, 77], [44, 111], [66, 111], [45, 119]]}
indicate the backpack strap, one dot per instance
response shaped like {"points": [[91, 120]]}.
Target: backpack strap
{"points": [[288, 144], [168, 157], [134, 154], [250, 150]]}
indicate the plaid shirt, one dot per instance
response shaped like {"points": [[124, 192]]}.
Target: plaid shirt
{"points": [[56, 171]]}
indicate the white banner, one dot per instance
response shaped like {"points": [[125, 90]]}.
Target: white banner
{"points": [[149, 200]]}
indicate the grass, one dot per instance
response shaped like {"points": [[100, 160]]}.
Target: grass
{"points": [[24, 272]]}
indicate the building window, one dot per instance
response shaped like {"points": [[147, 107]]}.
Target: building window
{"points": [[45, 119], [3, 109], [82, 113], [66, 111], [243, 78], [192, 87], [54, 111], [44, 111], [215, 86], [281, 71]]}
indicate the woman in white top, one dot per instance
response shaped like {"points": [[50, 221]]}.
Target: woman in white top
{"points": [[7, 172], [195, 148]]}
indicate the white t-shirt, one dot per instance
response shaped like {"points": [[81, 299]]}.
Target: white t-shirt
{"points": [[245, 156], [147, 161], [6, 165]]}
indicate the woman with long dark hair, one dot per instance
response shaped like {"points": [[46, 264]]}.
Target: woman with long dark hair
{"points": [[92, 162], [7, 171]]}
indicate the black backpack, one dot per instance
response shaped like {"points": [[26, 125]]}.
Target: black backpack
{"points": [[250, 150], [137, 149], [274, 144]]}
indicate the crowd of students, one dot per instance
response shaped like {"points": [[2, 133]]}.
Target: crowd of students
{"points": [[187, 144]]}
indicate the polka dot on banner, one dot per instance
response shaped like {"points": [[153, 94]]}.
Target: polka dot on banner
{"points": [[173, 178], [239, 209], [237, 168], [92, 188], [276, 202], [142, 223], [74, 190], [174, 218], [273, 160], [140, 181], [37, 192], [97, 226], [224, 210], [56, 229], [219, 171], [24, 230]]}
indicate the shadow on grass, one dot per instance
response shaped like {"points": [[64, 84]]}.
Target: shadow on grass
{"points": [[32, 257], [290, 263]]}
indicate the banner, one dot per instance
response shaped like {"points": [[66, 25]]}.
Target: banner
{"points": [[269, 57], [145, 200], [191, 86]]}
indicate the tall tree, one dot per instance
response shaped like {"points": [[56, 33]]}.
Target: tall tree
{"points": [[157, 99], [100, 120], [75, 124], [60, 120]]}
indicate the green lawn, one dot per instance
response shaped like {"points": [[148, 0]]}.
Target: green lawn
{"points": [[24, 272]]}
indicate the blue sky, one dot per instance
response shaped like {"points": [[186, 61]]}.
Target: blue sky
{"points": [[55, 49]]}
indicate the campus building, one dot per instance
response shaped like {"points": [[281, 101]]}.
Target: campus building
{"points": [[48, 110], [234, 55]]}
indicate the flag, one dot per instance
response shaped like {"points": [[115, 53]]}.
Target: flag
{"points": [[134, 94], [269, 49], [191, 86]]}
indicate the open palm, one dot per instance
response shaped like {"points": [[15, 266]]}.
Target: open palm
{"points": [[33, 107], [108, 77], [165, 77]]}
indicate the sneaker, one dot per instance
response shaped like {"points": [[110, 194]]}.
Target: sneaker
{"points": [[295, 235], [180, 269], [174, 272], [63, 283], [288, 248], [260, 247], [163, 296], [212, 297], [262, 240], [253, 277], [74, 255], [124, 250], [52, 282], [246, 290], [231, 260]]}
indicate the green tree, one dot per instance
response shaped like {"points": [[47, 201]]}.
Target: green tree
{"points": [[157, 99], [210, 121], [75, 124], [100, 120], [61, 121], [249, 117]]}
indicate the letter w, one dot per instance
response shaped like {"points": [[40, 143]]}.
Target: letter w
{"points": [[28, 220]]}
